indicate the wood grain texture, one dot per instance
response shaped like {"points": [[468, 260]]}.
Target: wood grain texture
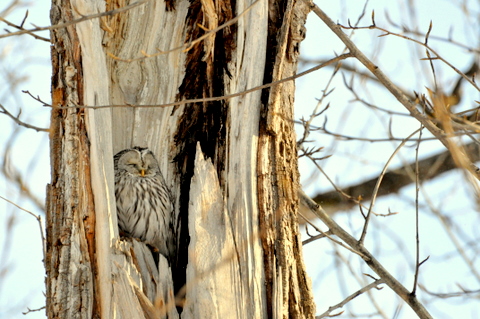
{"points": [[70, 218], [227, 132], [148, 81], [213, 272], [278, 180]]}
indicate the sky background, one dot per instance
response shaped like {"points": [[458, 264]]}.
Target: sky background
{"points": [[27, 60]]}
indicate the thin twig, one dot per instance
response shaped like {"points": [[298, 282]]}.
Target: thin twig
{"points": [[33, 310], [449, 40], [354, 271], [37, 217], [449, 226], [313, 238], [462, 293], [215, 98], [377, 186], [17, 120], [417, 229], [12, 174], [20, 27], [358, 99], [337, 189], [328, 235], [424, 44], [69, 23], [350, 298], [324, 129]]}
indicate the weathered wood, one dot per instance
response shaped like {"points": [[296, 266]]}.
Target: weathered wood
{"points": [[90, 67], [122, 82], [214, 276], [278, 180], [70, 212], [210, 153], [227, 132]]}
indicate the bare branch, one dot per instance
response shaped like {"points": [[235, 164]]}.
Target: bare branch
{"points": [[33, 310], [417, 228], [37, 217], [350, 298], [462, 293], [377, 186], [390, 280], [17, 120], [394, 180], [83, 18], [20, 27], [215, 98], [12, 174], [399, 95], [449, 39], [425, 44]]}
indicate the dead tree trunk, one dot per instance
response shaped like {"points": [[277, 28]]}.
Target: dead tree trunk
{"points": [[231, 162]]}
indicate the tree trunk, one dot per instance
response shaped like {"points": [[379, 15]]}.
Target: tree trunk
{"points": [[231, 163]]}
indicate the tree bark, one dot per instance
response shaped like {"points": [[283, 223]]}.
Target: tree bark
{"points": [[231, 163]]}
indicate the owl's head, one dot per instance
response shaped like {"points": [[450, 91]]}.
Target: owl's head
{"points": [[137, 161]]}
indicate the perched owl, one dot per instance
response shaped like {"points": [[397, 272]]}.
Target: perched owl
{"points": [[144, 203]]}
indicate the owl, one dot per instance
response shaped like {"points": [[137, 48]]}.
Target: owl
{"points": [[144, 202]]}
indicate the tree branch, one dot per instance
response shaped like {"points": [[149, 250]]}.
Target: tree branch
{"points": [[394, 90], [350, 298], [20, 27], [17, 120], [393, 181], [369, 259], [83, 18]]}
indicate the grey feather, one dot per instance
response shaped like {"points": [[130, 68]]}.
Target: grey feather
{"points": [[144, 202]]}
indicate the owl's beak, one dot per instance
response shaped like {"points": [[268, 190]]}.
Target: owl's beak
{"points": [[142, 172]]}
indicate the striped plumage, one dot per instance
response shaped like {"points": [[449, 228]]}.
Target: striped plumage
{"points": [[144, 203]]}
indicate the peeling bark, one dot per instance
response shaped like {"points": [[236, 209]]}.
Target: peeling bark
{"points": [[70, 210], [288, 285]]}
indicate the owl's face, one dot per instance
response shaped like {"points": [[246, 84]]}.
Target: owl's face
{"points": [[138, 162]]}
